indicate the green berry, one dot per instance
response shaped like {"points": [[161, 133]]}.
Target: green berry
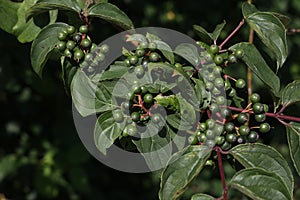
{"points": [[88, 57], [155, 118], [143, 45], [144, 89], [135, 116], [232, 58], [202, 137], [86, 43], [139, 71], [232, 92], [78, 54], [118, 115], [220, 140], [152, 46], [130, 129], [202, 127], [253, 137], [266, 107], [260, 117], [240, 83], [140, 52], [217, 70], [133, 60], [218, 59], [229, 127], [214, 49], [154, 57], [264, 127], [83, 29], [71, 45], [148, 98], [255, 98], [216, 91], [127, 62], [104, 48], [219, 82], [210, 134], [210, 123], [226, 113], [239, 53], [231, 137], [192, 140], [211, 77], [240, 139], [61, 45], [209, 85], [136, 89], [244, 130], [220, 100], [68, 53], [62, 36], [227, 84], [218, 129], [242, 118], [93, 47], [226, 146], [214, 108], [210, 143], [258, 108], [125, 106], [71, 30]]}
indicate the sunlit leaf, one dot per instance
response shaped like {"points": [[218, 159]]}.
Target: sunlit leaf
{"points": [[291, 93]]}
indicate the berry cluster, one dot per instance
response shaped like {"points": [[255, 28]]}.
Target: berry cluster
{"points": [[226, 126]]}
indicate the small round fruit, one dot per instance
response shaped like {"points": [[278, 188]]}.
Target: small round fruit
{"points": [[71, 30], [210, 143], [211, 77], [220, 140], [133, 60], [136, 89], [140, 52], [143, 45], [62, 36], [83, 29], [240, 83], [155, 118], [226, 146], [214, 49], [218, 129], [145, 63], [255, 98], [266, 107], [227, 85], [264, 127], [68, 53], [253, 136], [104, 48], [214, 108], [242, 118], [232, 92], [93, 47], [239, 53], [130, 129], [88, 57], [210, 134], [77, 38], [218, 59], [226, 113], [240, 139], [231, 137], [229, 127], [78, 54], [210, 123], [202, 137], [71, 45], [154, 57], [152, 46], [244, 130], [61, 46], [216, 91], [202, 127], [127, 62], [258, 108], [192, 140], [260, 117], [125, 106], [118, 115], [86, 43], [135, 116], [220, 100], [232, 58], [144, 89], [219, 82], [217, 70], [139, 71], [209, 85], [148, 98]]}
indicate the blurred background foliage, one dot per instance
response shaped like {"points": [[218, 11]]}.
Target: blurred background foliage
{"points": [[41, 155]]}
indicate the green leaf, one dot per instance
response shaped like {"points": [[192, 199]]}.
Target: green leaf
{"points": [[106, 131], [216, 33], [265, 157], [203, 34], [8, 11], [114, 72], [257, 64], [285, 20], [8, 165], [202, 197], [155, 145], [69, 70], [293, 137], [165, 49], [152, 37], [260, 184], [43, 45], [291, 93], [271, 32], [248, 9], [137, 37], [200, 90], [112, 14], [183, 167], [188, 52], [46, 5], [88, 96]]}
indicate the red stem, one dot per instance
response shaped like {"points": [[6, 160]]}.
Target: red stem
{"points": [[221, 170], [232, 34]]}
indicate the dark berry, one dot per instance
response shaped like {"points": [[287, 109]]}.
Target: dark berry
{"points": [[260, 117], [86, 43], [253, 136], [77, 38], [154, 57], [240, 139], [231, 137], [244, 130], [239, 53], [226, 113], [71, 45], [210, 123], [232, 58], [258, 108], [242, 118], [135, 116], [133, 60], [139, 71], [229, 127], [220, 140]]}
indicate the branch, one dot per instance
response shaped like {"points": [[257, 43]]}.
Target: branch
{"points": [[232, 34], [221, 170]]}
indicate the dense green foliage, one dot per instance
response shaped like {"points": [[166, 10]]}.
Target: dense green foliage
{"points": [[41, 156]]}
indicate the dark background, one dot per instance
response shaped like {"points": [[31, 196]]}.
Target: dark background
{"points": [[41, 155]]}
